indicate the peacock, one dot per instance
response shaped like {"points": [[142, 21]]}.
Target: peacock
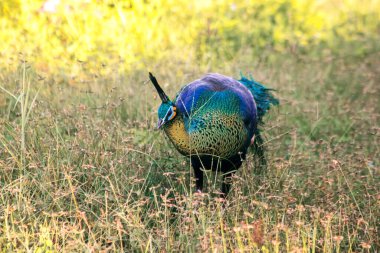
{"points": [[214, 120]]}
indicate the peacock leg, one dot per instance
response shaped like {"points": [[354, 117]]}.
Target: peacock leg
{"points": [[198, 173], [226, 184], [260, 161]]}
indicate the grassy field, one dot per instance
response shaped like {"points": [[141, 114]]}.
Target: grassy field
{"points": [[83, 169]]}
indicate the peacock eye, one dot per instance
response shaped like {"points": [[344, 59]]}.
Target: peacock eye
{"points": [[171, 112]]}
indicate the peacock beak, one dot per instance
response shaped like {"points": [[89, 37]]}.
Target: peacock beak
{"points": [[160, 123]]}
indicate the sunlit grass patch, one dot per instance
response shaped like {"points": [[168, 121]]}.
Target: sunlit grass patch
{"points": [[135, 35]]}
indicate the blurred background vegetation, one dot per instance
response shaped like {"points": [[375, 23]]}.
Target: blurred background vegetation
{"points": [[133, 35]]}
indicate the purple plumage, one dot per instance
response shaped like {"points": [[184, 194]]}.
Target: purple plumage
{"points": [[219, 95]]}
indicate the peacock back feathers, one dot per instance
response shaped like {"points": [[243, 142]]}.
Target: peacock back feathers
{"points": [[218, 114]]}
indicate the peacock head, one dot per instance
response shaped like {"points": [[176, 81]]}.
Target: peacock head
{"points": [[167, 110]]}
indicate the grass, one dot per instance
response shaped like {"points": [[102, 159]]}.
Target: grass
{"points": [[83, 169]]}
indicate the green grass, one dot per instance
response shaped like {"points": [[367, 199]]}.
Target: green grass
{"points": [[83, 168]]}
